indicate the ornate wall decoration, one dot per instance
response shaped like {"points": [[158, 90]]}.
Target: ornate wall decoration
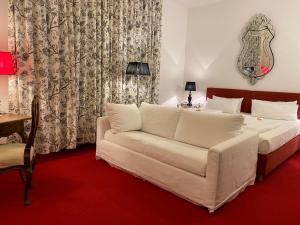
{"points": [[256, 59]]}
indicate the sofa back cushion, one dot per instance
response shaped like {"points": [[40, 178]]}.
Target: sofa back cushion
{"points": [[123, 117], [159, 120], [207, 129]]}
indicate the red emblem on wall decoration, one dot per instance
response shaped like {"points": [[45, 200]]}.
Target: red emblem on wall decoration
{"points": [[264, 70]]}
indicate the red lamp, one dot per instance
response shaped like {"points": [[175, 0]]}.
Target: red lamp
{"points": [[6, 64]]}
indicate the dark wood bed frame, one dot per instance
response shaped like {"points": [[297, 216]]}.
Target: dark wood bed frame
{"points": [[266, 162]]}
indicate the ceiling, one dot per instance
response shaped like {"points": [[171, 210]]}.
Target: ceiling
{"points": [[196, 3]]}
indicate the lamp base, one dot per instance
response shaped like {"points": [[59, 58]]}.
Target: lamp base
{"points": [[190, 100]]}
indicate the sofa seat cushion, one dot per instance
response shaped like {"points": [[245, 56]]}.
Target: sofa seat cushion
{"points": [[183, 156]]}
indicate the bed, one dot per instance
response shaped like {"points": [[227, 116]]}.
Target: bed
{"points": [[279, 140]]}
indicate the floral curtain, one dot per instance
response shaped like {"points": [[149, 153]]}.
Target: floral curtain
{"points": [[73, 54]]}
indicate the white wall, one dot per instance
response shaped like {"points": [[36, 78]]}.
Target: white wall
{"points": [[213, 44], [174, 27], [3, 47]]}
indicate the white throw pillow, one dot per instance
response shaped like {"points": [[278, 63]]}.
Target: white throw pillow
{"points": [[236, 101], [123, 117], [207, 129], [274, 110], [159, 120], [224, 106]]}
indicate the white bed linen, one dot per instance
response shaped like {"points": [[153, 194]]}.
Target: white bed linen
{"points": [[272, 133]]}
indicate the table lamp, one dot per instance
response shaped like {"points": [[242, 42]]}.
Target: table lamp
{"points": [[190, 86], [138, 69], [6, 64]]}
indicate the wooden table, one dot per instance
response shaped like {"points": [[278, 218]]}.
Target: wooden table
{"points": [[13, 123]]}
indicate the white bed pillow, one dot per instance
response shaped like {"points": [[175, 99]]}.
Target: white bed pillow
{"points": [[159, 120], [238, 100], [223, 105], [274, 110], [123, 117], [207, 129], [277, 102]]}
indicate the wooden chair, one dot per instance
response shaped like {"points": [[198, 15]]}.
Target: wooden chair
{"points": [[19, 156]]}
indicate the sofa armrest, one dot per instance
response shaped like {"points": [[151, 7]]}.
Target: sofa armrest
{"points": [[102, 126], [231, 164]]}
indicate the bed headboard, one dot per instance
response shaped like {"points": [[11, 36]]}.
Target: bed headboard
{"points": [[249, 95]]}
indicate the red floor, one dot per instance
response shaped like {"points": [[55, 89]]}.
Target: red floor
{"points": [[73, 188]]}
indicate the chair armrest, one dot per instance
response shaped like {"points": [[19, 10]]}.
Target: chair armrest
{"points": [[102, 126], [232, 163]]}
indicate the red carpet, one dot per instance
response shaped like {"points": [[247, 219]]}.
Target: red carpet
{"points": [[72, 188]]}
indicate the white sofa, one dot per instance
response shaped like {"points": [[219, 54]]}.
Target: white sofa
{"points": [[202, 157]]}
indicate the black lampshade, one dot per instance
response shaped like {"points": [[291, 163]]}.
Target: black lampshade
{"points": [[190, 86], [138, 68]]}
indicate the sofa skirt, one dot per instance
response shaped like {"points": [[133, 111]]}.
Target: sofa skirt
{"points": [[191, 187]]}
